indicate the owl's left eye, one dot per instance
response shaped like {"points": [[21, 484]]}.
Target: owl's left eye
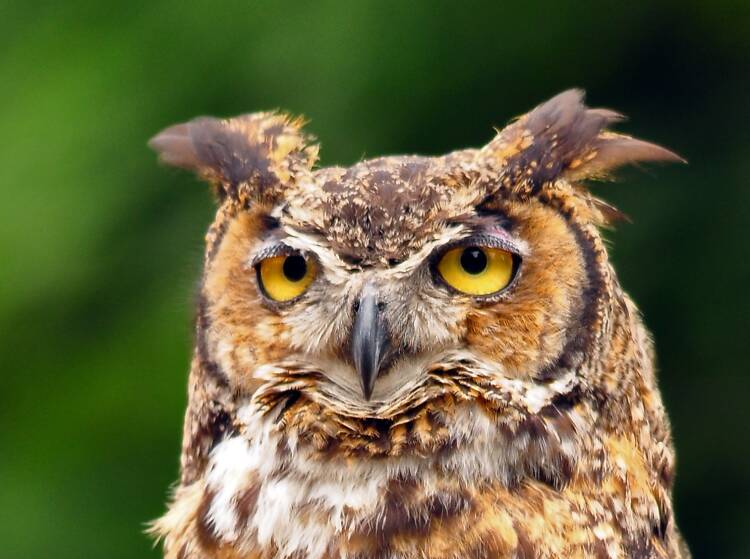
{"points": [[477, 270], [286, 277]]}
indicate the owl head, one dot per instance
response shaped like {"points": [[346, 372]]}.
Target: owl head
{"points": [[363, 308]]}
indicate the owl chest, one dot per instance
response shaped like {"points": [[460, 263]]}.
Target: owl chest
{"points": [[279, 500], [259, 501]]}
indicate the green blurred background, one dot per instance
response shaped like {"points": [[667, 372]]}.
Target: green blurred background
{"points": [[101, 247]]}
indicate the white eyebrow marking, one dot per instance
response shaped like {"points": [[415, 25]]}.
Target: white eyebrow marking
{"points": [[337, 271], [447, 235]]}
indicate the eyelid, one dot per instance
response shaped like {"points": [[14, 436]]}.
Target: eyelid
{"points": [[277, 249], [483, 240]]}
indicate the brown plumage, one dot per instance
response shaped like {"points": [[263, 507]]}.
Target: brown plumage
{"points": [[418, 356]]}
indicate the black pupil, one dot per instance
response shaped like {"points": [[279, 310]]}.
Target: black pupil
{"points": [[295, 268], [473, 260]]}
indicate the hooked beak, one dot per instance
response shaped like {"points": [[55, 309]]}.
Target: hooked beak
{"points": [[369, 341]]}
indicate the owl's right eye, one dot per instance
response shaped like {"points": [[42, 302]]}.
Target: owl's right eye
{"points": [[285, 277]]}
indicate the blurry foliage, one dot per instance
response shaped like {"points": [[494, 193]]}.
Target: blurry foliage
{"points": [[101, 247]]}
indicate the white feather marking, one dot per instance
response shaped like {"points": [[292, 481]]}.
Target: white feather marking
{"points": [[232, 463]]}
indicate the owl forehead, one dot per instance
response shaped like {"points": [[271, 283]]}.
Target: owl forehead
{"points": [[383, 209]]}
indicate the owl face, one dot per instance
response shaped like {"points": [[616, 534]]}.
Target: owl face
{"points": [[367, 292], [499, 282]]}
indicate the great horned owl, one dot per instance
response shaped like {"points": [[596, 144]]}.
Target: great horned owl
{"points": [[418, 357]]}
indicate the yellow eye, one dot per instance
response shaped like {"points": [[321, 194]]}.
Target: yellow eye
{"points": [[476, 270], [285, 277]]}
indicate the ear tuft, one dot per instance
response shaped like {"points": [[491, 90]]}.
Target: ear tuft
{"points": [[563, 138], [610, 150], [250, 158]]}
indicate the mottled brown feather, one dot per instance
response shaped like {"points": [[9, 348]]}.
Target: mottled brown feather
{"points": [[524, 425]]}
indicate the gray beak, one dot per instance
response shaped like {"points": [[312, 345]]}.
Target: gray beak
{"points": [[370, 342]]}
